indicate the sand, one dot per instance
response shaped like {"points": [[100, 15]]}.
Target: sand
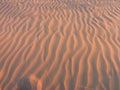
{"points": [[59, 44]]}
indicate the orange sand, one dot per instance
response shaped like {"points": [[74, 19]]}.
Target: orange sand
{"points": [[59, 44]]}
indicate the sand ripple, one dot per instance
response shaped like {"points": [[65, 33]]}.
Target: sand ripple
{"points": [[59, 45]]}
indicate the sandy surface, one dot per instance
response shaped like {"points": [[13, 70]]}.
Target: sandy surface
{"points": [[59, 44]]}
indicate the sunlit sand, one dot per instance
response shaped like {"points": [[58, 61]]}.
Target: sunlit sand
{"points": [[59, 44]]}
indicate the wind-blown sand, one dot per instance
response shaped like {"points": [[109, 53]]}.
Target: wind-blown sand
{"points": [[59, 44]]}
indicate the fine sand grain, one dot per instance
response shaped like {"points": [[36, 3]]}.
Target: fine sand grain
{"points": [[59, 44]]}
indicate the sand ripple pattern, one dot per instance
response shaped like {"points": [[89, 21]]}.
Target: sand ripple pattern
{"points": [[60, 45]]}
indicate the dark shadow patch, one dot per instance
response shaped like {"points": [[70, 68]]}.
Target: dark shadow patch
{"points": [[24, 84]]}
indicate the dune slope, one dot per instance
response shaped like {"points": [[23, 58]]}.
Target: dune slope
{"points": [[59, 45]]}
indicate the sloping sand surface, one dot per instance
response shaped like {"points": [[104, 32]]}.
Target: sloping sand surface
{"points": [[59, 44]]}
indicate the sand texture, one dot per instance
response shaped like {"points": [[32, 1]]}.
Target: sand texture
{"points": [[59, 44]]}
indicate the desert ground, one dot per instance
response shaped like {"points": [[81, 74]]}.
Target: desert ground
{"points": [[59, 44]]}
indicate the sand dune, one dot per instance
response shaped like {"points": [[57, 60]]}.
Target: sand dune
{"points": [[59, 45]]}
